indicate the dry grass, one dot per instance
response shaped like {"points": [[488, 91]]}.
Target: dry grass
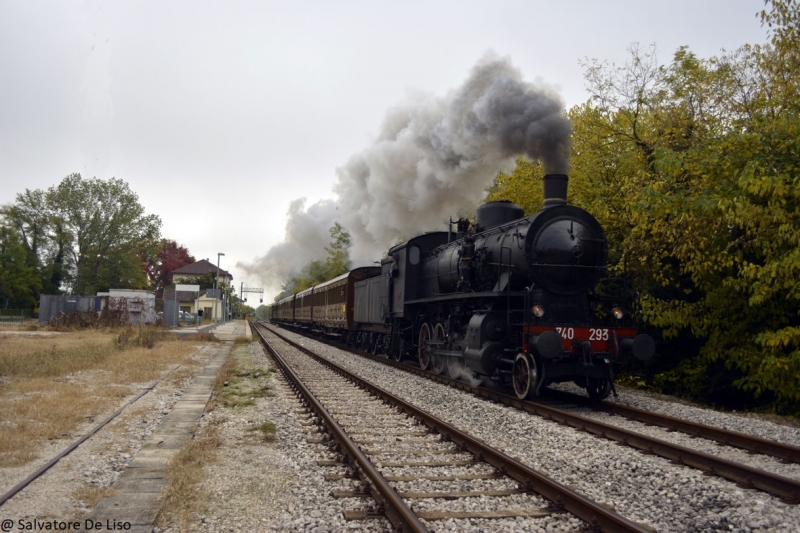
{"points": [[92, 494], [185, 474], [27, 326], [30, 357], [185, 497], [51, 385], [39, 409], [204, 336]]}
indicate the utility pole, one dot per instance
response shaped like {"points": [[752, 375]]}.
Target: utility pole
{"points": [[216, 295]]}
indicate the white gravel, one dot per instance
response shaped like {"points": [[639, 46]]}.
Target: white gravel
{"points": [[258, 486], [646, 489], [387, 421]]}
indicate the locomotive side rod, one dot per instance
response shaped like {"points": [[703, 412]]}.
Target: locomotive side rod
{"points": [[560, 496], [752, 478], [398, 513]]}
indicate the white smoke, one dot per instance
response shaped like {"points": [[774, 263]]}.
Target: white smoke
{"points": [[307, 235], [435, 157]]}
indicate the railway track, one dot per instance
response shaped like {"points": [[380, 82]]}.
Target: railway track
{"points": [[419, 469], [13, 491], [786, 488], [786, 453]]}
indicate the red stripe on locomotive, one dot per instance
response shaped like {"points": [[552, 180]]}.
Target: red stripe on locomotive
{"points": [[602, 339]]}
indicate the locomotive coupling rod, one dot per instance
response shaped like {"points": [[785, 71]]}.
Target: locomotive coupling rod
{"points": [[396, 509]]}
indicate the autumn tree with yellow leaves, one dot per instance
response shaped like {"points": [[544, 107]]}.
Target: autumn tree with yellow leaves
{"points": [[693, 168]]}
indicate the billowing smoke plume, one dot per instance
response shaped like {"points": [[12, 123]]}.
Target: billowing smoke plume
{"points": [[306, 237], [436, 157], [433, 158]]}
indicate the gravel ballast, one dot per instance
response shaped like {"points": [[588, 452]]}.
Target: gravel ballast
{"points": [[645, 489], [254, 484]]}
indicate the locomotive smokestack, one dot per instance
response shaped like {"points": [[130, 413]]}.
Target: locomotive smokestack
{"points": [[555, 189]]}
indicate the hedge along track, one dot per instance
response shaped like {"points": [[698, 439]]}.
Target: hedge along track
{"points": [[337, 395], [787, 489]]}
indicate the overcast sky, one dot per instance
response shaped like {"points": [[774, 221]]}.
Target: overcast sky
{"points": [[220, 114]]}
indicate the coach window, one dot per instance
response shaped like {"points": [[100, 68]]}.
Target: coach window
{"points": [[338, 294], [413, 255]]}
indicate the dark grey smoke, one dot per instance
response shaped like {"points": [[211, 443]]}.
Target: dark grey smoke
{"points": [[433, 157]]}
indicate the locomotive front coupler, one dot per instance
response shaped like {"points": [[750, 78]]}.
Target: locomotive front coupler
{"points": [[584, 350]]}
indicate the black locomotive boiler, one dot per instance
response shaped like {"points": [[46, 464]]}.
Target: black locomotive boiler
{"points": [[511, 299]]}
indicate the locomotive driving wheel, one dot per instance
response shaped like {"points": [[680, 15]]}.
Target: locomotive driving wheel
{"points": [[439, 361], [525, 376], [375, 344], [399, 350], [423, 347], [598, 389]]}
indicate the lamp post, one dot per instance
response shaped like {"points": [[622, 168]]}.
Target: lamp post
{"points": [[216, 297]]}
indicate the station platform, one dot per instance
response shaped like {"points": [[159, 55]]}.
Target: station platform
{"points": [[228, 331], [137, 495], [232, 330]]}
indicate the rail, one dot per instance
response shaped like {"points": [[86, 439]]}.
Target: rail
{"points": [[745, 476], [560, 496]]}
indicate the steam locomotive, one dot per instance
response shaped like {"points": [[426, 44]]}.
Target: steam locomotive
{"points": [[511, 299]]}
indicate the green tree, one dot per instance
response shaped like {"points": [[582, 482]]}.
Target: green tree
{"points": [[693, 169], [206, 281], [523, 186], [338, 261], [316, 272], [19, 284], [262, 312], [42, 236], [83, 235], [311, 274], [108, 230]]}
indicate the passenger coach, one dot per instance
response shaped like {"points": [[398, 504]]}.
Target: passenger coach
{"points": [[326, 308]]}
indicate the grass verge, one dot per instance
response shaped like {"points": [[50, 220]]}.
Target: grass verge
{"points": [[267, 429], [239, 383], [91, 495], [49, 386]]}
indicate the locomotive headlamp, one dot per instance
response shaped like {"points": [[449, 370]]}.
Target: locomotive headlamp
{"points": [[538, 311], [618, 313]]}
